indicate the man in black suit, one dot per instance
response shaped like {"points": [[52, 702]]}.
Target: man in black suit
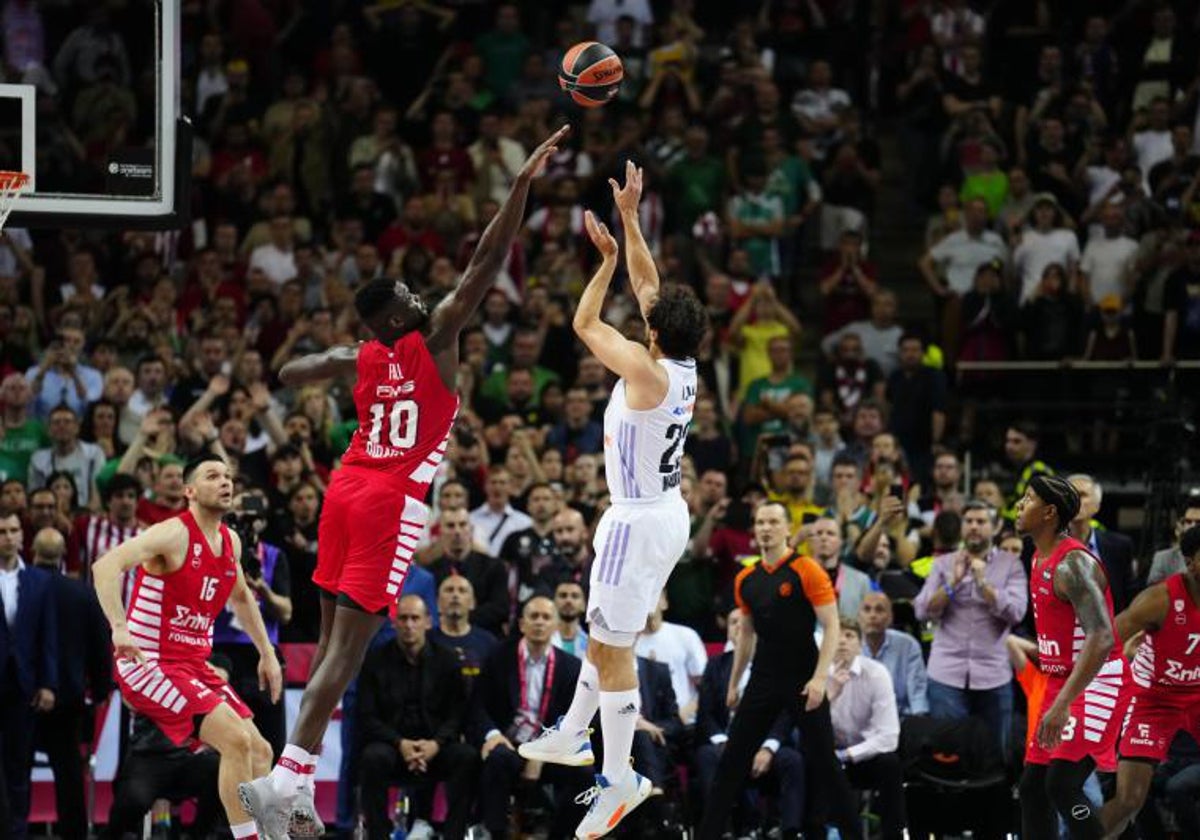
{"points": [[1114, 550], [658, 725], [411, 702], [524, 685], [778, 766], [84, 672], [28, 671]]}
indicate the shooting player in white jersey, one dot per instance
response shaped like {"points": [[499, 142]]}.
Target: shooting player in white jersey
{"points": [[644, 533]]}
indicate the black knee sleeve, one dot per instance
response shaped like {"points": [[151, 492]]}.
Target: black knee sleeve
{"points": [[1064, 784]]}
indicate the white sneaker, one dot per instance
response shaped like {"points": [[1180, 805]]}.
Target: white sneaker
{"points": [[269, 809], [304, 820], [558, 746], [420, 830], [610, 803]]}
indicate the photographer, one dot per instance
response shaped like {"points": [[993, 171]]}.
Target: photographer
{"points": [[269, 577]]}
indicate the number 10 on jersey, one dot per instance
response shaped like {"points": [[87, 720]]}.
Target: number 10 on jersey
{"points": [[401, 422]]}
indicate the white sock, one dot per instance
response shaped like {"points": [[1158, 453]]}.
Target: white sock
{"points": [[287, 776], [246, 829], [618, 718], [586, 700]]}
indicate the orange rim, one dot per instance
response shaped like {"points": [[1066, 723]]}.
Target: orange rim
{"points": [[13, 180]]}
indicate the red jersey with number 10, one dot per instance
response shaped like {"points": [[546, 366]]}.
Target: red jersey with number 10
{"points": [[405, 412], [1170, 656], [171, 616], [1059, 634]]}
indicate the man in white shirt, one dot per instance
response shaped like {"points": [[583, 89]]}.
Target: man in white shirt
{"points": [[67, 453], [953, 27], [880, 334], [276, 258], [866, 726], [682, 650], [818, 107], [496, 518], [949, 266], [1104, 268], [1047, 240], [1152, 144], [497, 159]]}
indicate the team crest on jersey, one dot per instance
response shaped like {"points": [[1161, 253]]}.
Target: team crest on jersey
{"points": [[196, 549], [1180, 618], [785, 589]]}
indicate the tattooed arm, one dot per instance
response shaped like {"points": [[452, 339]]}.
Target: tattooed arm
{"points": [[1075, 581]]}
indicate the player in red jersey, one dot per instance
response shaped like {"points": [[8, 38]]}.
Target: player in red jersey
{"points": [[1166, 677], [373, 515], [1079, 652], [187, 568]]}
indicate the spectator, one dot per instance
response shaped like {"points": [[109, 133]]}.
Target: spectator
{"points": [[168, 499], [895, 650], [1107, 262], [604, 15], [1181, 307], [1152, 141], [95, 534], [578, 433], [81, 460], [917, 393], [528, 552], [503, 49], [1052, 318], [1169, 179], [276, 257], [23, 435], [456, 555], [850, 585], [1047, 240], [572, 556], [1020, 450], [848, 380], [795, 490], [412, 704], [708, 445], [817, 107], [61, 378], [456, 600], [526, 350], [681, 649], [1114, 550], [29, 661], [497, 519], [778, 766], [570, 601], [765, 407], [659, 728], [1170, 561], [977, 595], [879, 334], [771, 319], [949, 267], [866, 727], [695, 183], [503, 716], [755, 219]]}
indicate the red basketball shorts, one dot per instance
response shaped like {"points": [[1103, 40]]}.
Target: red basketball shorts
{"points": [[1094, 722], [173, 694], [368, 533], [1154, 716]]}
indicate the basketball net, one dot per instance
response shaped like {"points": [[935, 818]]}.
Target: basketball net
{"points": [[12, 184]]}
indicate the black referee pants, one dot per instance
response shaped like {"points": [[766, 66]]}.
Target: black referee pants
{"points": [[830, 798]]}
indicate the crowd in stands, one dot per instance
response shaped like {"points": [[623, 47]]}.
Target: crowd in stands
{"points": [[1052, 146]]}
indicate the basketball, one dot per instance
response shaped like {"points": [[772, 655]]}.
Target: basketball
{"points": [[591, 74]]}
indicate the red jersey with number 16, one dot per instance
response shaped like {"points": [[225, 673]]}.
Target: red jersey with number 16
{"points": [[1059, 634], [171, 616], [405, 412]]}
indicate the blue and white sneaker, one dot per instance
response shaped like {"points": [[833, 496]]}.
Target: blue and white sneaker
{"points": [[557, 746], [611, 803]]}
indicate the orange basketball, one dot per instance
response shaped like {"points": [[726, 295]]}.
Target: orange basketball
{"points": [[591, 74]]}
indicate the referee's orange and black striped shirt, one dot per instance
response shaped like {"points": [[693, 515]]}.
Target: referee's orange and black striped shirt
{"points": [[781, 603]]}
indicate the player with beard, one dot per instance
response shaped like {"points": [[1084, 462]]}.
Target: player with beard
{"points": [[1079, 651], [373, 516], [187, 569], [1166, 673]]}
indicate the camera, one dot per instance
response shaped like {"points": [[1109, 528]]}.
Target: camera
{"points": [[248, 522]]}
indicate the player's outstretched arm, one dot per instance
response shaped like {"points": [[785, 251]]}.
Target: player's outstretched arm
{"points": [[626, 358], [453, 313], [335, 363], [643, 273], [166, 539], [1074, 580]]}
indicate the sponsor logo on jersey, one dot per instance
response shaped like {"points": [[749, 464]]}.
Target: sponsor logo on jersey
{"points": [[186, 619], [1177, 671], [391, 392], [1048, 647]]}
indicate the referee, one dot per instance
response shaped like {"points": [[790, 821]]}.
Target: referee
{"points": [[782, 598]]}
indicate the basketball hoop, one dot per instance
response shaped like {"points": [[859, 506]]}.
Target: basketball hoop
{"points": [[12, 184]]}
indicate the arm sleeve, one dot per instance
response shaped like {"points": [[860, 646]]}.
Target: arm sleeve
{"points": [[737, 589], [932, 584], [1012, 597]]}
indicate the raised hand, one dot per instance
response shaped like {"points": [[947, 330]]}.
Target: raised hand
{"points": [[536, 163], [627, 197], [604, 241]]}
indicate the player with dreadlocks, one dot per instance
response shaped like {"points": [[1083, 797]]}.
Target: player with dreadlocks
{"points": [[1079, 651]]}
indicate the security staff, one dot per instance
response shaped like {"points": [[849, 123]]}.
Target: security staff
{"points": [[783, 598]]}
